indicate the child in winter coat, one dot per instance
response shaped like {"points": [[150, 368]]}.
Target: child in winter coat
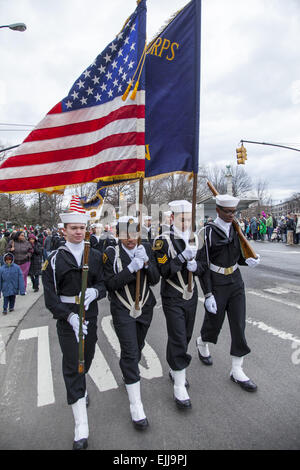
{"points": [[11, 282]]}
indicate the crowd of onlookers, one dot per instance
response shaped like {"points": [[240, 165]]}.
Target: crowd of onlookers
{"points": [[22, 252], [266, 227]]}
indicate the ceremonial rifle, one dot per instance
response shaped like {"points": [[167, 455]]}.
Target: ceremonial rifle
{"points": [[246, 248], [85, 271], [138, 274]]}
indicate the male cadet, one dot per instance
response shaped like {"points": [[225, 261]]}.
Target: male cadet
{"points": [[223, 289], [166, 222], [95, 238], [121, 264], [146, 229], [61, 276], [175, 256]]}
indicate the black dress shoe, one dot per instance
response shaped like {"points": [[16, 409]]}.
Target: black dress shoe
{"points": [[80, 445], [247, 385], [141, 425], [186, 381], [206, 360], [183, 404]]}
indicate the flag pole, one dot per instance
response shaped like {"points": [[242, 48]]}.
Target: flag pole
{"points": [[138, 274], [193, 226]]}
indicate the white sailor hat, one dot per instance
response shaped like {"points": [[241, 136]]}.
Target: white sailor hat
{"points": [[127, 219], [168, 213], [76, 214], [147, 217], [226, 200], [180, 206]]}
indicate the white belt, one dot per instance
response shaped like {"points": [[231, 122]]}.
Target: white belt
{"points": [[75, 299], [225, 271]]}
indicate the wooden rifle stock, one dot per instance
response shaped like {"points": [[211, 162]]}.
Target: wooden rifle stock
{"points": [[85, 270], [246, 248], [190, 274]]}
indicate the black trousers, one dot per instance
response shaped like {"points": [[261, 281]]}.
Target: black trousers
{"points": [[230, 298], [75, 382], [180, 317], [131, 333]]}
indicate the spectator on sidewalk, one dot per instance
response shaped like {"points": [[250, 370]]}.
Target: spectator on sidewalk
{"points": [[22, 251], [253, 228], [36, 261], [290, 229], [270, 226], [297, 230], [11, 282], [3, 245], [282, 226]]}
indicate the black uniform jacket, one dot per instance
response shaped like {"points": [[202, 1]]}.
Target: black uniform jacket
{"points": [[222, 251], [115, 281], [68, 282], [169, 267]]}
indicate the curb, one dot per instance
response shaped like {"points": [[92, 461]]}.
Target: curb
{"points": [[10, 322]]}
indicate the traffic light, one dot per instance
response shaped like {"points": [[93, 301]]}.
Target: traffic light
{"points": [[241, 155]]}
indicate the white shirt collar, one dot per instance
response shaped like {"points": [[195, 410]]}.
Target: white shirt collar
{"points": [[130, 253], [76, 250], [184, 235], [225, 226]]}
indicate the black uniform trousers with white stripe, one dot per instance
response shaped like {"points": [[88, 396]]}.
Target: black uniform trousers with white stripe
{"points": [[180, 319], [75, 383]]}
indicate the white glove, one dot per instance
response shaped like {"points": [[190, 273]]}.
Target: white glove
{"points": [[135, 265], [192, 265], [141, 253], [252, 262], [74, 322], [211, 304], [189, 253], [90, 294]]}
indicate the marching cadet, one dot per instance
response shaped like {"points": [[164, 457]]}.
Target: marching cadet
{"points": [[147, 228], [121, 263], [166, 222], [62, 277], [95, 238], [224, 290], [176, 257]]}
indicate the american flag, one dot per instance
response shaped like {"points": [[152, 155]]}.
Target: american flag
{"points": [[92, 134], [75, 205]]}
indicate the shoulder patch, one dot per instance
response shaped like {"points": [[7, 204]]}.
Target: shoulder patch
{"points": [[104, 257], [45, 264], [158, 245]]}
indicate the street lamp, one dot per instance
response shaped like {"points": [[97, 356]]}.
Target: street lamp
{"points": [[15, 26]]}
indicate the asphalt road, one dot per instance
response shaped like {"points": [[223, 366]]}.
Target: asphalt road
{"points": [[34, 413]]}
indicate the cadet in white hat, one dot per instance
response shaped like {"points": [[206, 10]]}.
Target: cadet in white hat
{"points": [[62, 279], [121, 263], [146, 233], [223, 289], [176, 258]]}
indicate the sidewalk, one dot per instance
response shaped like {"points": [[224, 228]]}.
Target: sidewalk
{"points": [[9, 322]]}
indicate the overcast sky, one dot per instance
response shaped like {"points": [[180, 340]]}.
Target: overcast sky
{"points": [[250, 72]]}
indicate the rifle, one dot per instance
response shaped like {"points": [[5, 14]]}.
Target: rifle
{"points": [[246, 248], [85, 270]]}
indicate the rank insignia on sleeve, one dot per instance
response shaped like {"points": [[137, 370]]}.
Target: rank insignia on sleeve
{"points": [[104, 257], [162, 260], [158, 245], [45, 264]]}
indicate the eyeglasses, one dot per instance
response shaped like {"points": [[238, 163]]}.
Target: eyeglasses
{"points": [[228, 211]]}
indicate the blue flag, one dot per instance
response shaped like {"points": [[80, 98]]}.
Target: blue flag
{"points": [[173, 95]]}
